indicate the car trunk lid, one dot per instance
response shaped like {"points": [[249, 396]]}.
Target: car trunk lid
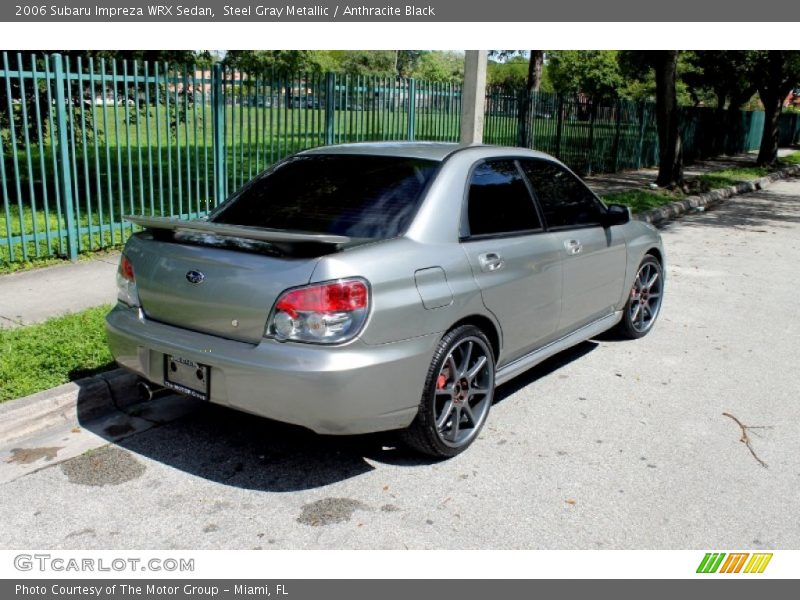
{"points": [[212, 289]]}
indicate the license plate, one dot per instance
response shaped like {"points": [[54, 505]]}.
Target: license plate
{"points": [[186, 376]]}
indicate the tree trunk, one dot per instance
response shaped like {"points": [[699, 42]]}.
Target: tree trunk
{"points": [[774, 87], [670, 166], [734, 133], [773, 103], [535, 70], [532, 84]]}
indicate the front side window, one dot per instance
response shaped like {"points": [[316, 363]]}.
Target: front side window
{"points": [[499, 201], [565, 200], [354, 195]]}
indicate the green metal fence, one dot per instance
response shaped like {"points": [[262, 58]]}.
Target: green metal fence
{"points": [[86, 141]]}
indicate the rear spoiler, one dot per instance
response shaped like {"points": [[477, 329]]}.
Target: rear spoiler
{"points": [[276, 237]]}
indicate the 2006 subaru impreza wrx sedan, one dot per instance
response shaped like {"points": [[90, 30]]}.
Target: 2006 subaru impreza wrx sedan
{"points": [[368, 287]]}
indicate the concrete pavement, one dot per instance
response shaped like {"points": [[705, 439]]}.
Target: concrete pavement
{"points": [[613, 444], [31, 296]]}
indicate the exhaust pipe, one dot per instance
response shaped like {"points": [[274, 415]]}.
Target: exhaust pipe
{"points": [[148, 391]]}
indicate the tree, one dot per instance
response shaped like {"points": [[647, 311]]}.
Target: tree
{"points": [[441, 67], [407, 61], [670, 164], [728, 76], [593, 73], [533, 82], [777, 73], [368, 62], [636, 64], [280, 61]]}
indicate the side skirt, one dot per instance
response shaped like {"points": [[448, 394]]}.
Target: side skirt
{"points": [[512, 369]]}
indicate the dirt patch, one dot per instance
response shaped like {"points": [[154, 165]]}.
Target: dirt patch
{"points": [[26, 456], [329, 511], [107, 466]]}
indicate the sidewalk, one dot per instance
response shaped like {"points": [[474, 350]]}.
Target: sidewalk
{"points": [[33, 296], [610, 183]]}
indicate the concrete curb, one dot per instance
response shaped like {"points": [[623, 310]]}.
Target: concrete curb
{"points": [[681, 207], [73, 402]]}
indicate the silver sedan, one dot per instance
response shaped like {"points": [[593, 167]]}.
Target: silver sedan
{"points": [[371, 287]]}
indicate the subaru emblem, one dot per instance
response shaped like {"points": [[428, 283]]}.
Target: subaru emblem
{"points": [[195, 277]]}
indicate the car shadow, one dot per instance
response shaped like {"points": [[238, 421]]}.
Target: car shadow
{"points": [[241, 450], [543, 369]]}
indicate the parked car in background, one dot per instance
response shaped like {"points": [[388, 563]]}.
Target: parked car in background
{"points": [[369, 287]]}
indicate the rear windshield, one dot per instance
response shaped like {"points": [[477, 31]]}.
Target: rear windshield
{"points": [[353, 195]]}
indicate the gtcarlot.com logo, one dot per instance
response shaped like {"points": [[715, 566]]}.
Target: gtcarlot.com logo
{"points": [[47, 562], [735, 562]]}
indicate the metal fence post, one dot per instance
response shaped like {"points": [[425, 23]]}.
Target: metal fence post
{"points": [[330, 106], [559, 125], [412, 108], [642, 128], [218, 133], [62, 153], [618, 124]]}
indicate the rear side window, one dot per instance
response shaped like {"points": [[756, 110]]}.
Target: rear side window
{"points": [[499, 201], [354, 195], [565, 200]]}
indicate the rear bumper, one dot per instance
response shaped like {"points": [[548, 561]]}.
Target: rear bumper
{"points": [[350, 389]]}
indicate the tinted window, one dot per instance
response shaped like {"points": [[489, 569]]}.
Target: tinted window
{"points": [[565, 200], [499, 201], [357, 196]]}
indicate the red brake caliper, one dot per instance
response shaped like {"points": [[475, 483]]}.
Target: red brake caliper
{"points": [[441, 381]]}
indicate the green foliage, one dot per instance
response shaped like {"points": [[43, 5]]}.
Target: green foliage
{"points": [[595, 73], [441, 67], [513, 72], [729, 177], [260, 61], [42, 356], [641, 200], [719, 76]]}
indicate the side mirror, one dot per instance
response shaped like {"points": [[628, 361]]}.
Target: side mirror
{"points": [[617, 214]]}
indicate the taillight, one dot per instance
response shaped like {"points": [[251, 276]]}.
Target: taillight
{"points": [[127, 291], [325, 313]]}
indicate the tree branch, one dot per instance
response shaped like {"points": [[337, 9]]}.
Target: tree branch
{"points": [[745, 439]]}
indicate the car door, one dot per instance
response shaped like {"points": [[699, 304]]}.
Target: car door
{"points": [[516, 264], [594, 257]]}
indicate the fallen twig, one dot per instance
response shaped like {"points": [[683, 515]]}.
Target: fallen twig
{"points": [[745, 439]]}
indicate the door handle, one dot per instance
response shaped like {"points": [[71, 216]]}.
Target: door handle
{"points": [[491, 261], [573, 246]]}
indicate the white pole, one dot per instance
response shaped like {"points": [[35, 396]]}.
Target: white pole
{"points": [[474, 96]]}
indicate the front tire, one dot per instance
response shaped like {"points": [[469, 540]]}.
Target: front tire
{"points": [[457, 396], [644, 300]]}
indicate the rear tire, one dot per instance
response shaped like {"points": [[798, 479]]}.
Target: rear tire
{"points": [[457, 396], [644, 300]]}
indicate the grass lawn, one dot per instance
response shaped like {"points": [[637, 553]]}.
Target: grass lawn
{"points": [[42, 356]]}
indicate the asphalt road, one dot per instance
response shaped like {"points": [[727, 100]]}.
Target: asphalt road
{"points": [[611, 445]]}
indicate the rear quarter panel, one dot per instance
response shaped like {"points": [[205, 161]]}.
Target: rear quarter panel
{"points": [[397, 311]]}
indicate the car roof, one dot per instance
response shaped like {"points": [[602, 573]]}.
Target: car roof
{"points": [[437, 151]]}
